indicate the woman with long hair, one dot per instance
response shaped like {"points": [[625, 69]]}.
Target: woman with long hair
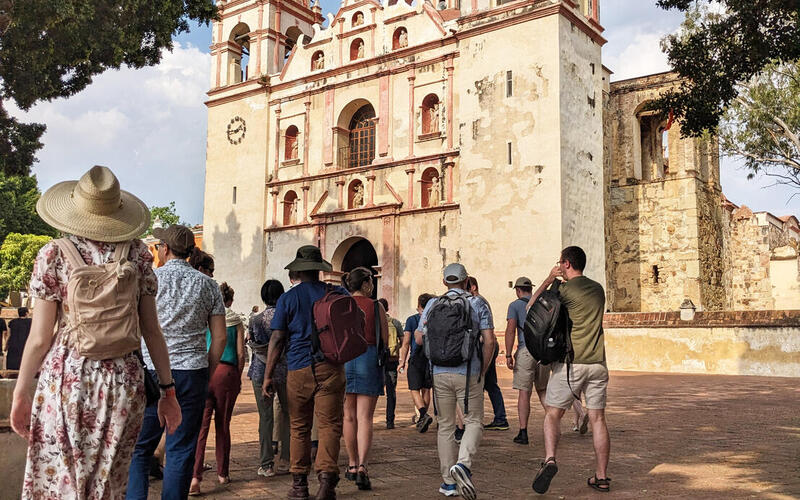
{"points": [[364, 377], [84, 419], [223, 389], [260, 334]]}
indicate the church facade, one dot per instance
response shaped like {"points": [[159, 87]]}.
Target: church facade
{"points": [[404, 137]]}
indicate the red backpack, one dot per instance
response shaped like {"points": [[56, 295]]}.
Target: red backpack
{"points": [[338, 333]]}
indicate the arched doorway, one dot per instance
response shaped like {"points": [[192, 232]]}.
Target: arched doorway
{"points": [[357, 252]]}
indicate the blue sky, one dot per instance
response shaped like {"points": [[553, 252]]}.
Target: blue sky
{"points": [[149, 125]]}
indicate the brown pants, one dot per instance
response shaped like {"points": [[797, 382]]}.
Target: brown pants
{"points": [[316, 395]]}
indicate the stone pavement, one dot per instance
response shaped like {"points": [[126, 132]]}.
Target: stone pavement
{"points": [[672, 436]]}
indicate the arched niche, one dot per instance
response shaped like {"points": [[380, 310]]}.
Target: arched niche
{"points": [[400, 38], [355, 194], [355, 134], [430, 114], [318, 61], [291, 146], [357, 49], [290, 202], [430, 187]]}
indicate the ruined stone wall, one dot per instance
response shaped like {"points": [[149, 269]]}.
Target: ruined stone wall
{"points": [[664, 244], [750, 286]]}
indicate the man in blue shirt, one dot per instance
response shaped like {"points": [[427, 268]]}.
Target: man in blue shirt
{"points": [[417, 367], [315, 390], [449, 389]]}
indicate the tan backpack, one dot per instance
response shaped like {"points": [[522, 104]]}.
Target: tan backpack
{"points": [[102, 304]]}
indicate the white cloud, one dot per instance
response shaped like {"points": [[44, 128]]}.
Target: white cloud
{"points": [[147, 125], [641, 56]]}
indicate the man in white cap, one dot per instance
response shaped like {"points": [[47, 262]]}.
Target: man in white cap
{"points": [[449, 385]]}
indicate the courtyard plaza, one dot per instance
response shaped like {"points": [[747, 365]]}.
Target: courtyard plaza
{"points": [[672, 436]]}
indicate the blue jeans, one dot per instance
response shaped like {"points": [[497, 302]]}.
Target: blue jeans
{"points": [[191, 388], [495, 394]]}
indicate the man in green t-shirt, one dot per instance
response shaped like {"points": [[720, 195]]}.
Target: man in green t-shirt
{"points": [[585, 302]]}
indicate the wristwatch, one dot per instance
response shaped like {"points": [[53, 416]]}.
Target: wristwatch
{"points": [[167, 389]]}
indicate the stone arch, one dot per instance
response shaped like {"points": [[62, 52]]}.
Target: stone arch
{"points": [[291, 148], [318, 61], [356, 252], [238, 56], [357, 49], [648, 148], [293, 34], [290, 208], [430, 183], [400, 38], [355, 134], [355, 194], [430, 114]]}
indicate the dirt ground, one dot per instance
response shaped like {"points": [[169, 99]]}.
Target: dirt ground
{"points": [[672, 436]]}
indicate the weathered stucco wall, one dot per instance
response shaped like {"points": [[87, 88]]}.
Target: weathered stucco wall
{"points": [[725, 343]]}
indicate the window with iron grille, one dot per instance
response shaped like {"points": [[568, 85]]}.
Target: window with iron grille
{"points": [[362, 137]]}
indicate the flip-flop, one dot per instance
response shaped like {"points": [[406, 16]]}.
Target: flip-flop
{"points": [[546, 473], [599, 483]]}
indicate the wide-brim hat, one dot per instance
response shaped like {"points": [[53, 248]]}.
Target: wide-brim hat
{"points": [[309, 258], [94, 207]]}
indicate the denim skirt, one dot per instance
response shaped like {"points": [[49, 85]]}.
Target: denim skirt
{"points": [[363, 374]]}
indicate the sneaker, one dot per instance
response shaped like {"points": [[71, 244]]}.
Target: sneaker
{"points": [[268, 471], [423, 423], [390, 425], [497, 425], [458, 434], [448, 490], [463, 478], [522, 437]]}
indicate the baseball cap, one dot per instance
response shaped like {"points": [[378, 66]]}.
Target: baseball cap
{"points": [[523, 281], [178, 238], [454, 273]]}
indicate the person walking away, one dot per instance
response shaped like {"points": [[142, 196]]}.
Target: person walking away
{"points": [[588, 374], [416, 366], [499, 421], [223, 389], [364, 377], [460, 385], [315, 389], [19, 328], [3, 342], [260, 334], [82, 423], [188, 302], [392, 364]]}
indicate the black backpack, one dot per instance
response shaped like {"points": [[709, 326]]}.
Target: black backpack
{"points": [[547, 328], [451, 339]]}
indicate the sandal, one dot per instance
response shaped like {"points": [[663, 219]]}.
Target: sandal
{"points": [[194, 490], [362, 481], [352, 472], [546, 473], [599, 484]]}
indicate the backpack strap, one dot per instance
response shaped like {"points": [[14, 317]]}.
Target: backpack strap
{"points": [[71, 252]]}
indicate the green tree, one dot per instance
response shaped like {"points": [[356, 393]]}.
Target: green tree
{"points": [[762, 125], [166, 215], [718, 51], [17, 255], [51, 49], [18, 197]]}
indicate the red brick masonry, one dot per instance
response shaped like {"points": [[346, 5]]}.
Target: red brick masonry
{"points": [[672, 319]]}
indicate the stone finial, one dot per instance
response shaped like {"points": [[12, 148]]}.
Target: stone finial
{"points": [[687, 310]]}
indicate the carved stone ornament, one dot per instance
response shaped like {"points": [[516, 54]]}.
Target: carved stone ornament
{"points": [[236, 130]]}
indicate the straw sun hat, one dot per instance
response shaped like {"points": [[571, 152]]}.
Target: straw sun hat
{"points": [[94, 207]]}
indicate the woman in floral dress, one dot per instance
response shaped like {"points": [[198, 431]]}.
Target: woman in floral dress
{"points": [[83, 421]]}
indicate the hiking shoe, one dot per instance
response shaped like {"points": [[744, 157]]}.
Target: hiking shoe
{"points": [[424, 423], [448, 490], [546, 473], [463, 477], [584, 423], [522, 437], [268, 471], [458, 434], [497, 425]]}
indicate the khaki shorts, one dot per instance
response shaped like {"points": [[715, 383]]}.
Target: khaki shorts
{"points": [[591, 380], [528, 373]]}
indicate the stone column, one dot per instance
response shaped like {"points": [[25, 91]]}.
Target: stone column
{"points": [[277, 142], [274, 192], [449, 67], [276, 55], [371, 189], [305, 189], [306, 126], [340, 189], [411, 128], [410, 171], [448, 165]]}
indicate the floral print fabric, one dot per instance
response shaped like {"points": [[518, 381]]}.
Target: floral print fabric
{"points": [[86, 414]]}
